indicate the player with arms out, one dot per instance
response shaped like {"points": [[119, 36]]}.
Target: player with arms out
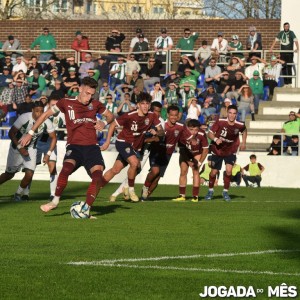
{"points": [[193, 151], [131, 139], [82, 148], [225, 136], [24, 156]]}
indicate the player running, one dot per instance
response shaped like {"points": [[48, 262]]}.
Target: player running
{"points": [[193, 151], [224, 134], [24, 156], [131, 139], [82, 148]]}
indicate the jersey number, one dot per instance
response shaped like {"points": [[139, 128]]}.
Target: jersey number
{"points": [[224, 132], [71, 114]]}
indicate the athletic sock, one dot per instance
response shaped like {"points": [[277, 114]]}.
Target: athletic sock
{"points": [[53, 183], [62, 180], [94, 187], [211, 181], [20, 190], [182, 190], [55, 200], [226, 181], [195, 191], [131, 182]]}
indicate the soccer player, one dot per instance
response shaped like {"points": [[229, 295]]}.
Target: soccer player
{"points": [[82, 149], [131, 139], [21, 156], [161, 151], [193, 151], [225, 136]]}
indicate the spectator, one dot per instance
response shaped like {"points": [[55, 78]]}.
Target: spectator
{"points": [[71, 79], [137, 80], [162, 44], [136, 39], [51, 64], [254, 42], [51, 78], [291, 127], [235, 65], [186, 44], [211, 101], [245, 103], [88, 64], [113, 44], [73, 91], [103, 65], [194, 109], [235, 84], [124, 89], [272, 74], [236, 175], [104, 91], [59, 91], [125, 105], [276, 146], [157, 93], [33, 64], [219, 47], [236, 45], [67, 63], [294, 146], [202, 56], [80, 43], [187, 63], [10, 46], [255, 169], [152, 73], [287, 39], [205, 171], [211, 71], [37, 84], [117, 73], [111, 105], [136, 95], [171, 77], [3, 78], [255, 66], [131, 65], [20, 65], [6, 100], [186, 93], [190, 77], [94, 73], [25, 106], [46, 41], [141, 46], [7, 63], [172, 94], [221, 84], [20, 91], [257, 88], [224, 107], [21, 75]]}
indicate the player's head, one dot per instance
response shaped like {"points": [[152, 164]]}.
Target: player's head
{"points": [[193, 126], [173, 113], [253, 158], [86, 90], [37, 109], [156, 107], [144, 103], [232, 111]]}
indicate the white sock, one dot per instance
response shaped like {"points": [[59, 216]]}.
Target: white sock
{"points": [[20, 190], [26, 191], [55, 200], [53, 182], [121, 187], [131, 189]]}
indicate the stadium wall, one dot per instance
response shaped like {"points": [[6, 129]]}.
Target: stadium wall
{"points": [[280, 170], [97, 30]]}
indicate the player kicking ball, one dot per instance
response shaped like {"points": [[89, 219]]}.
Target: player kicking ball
{"points": [[225, 136], [24, 156], [131, 139], [82, 148]]}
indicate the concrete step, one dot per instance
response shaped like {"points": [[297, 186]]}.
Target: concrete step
{"points": [[264, 124], [286, 94]]}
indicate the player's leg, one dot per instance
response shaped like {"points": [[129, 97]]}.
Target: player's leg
{"points": [[113, 171], [217, 165], [229, 162], [184, 167], [53, 178], [151, 177], [196, 180], [123, 188], [134, 164]]}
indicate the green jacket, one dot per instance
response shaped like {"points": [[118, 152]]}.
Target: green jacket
{"points": [[192, 79], [257, 86], [1, 53], [46, 42], [187, 44], [41, 81]]}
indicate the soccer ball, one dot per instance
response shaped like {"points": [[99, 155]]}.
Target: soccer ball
{"points": [[77, 212]]}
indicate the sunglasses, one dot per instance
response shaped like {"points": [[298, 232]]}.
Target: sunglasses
{"points": [[131, 56], [114, 32], [151, 60], [187, 33], [105, 85], [108, 98], [120, 59]]}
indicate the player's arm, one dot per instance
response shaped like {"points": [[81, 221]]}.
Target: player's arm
{"points": [[211, 135], [109, 117], [203, 156], [53, 137], [25, 139], [261, 167], [244, 139], [110, 133], [12, 135]]}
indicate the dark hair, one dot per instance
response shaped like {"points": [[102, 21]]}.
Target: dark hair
{"points": [[127, 94], [204, 43], [232, 106], [286, 23], [90, 82], [145, 97], [172, 107], [186, 29], [252, 156], [33, 56], [193, 123], [155, 104], [155, 83], [37, 104], [54, 97]]}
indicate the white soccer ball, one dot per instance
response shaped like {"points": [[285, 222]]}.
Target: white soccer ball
{"points": [[76, 210]]}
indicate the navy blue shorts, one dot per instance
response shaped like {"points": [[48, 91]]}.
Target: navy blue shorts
{"points": [[85, 156], [216, 161], [157, 159], [125, 150], [186, 156]]}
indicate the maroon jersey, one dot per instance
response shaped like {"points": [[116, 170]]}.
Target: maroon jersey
{"points": [[229, 134], [135, 127], [194, 145], [80, 120]]}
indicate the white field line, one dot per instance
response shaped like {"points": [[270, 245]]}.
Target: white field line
{"points": [[112, 262], [216, 200]]}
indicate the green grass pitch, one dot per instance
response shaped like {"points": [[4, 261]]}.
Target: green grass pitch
{"points": [[252, 241]]}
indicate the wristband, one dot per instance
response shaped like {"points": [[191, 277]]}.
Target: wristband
{"points": [[49, 153], [31, 132], [105, 122], [215, 139], [19, 147]]}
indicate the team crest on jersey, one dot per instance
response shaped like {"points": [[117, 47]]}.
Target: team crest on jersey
{"points": [[134, 126], [176, 132], [236, 131], [68, 153], [55, 121], [147, 121], [90, 106], [127, 150]]}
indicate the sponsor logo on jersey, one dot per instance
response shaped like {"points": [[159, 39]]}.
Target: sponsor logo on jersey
{"points": [[176, 132], [134, 126], [147, 121], [236, 131]]}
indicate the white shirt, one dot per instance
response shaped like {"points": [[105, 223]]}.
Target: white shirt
{"points": [[163, 43], [257, 67], [20, 66], [135, 40], [192, 112], [222, 47], [120, 75], [274, 71]]}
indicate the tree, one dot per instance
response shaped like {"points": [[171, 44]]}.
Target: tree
{"points": [[241, 9]]}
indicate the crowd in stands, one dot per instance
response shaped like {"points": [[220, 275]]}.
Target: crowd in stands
{"points": [[206, 81]]}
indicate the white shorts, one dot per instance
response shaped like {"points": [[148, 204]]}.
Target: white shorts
{"points": [[16, 162], [42, 149]]}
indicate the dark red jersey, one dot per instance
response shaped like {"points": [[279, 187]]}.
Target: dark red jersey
{"points": [[80, 120], [194, 144], [229, 134], [135, 127]]}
